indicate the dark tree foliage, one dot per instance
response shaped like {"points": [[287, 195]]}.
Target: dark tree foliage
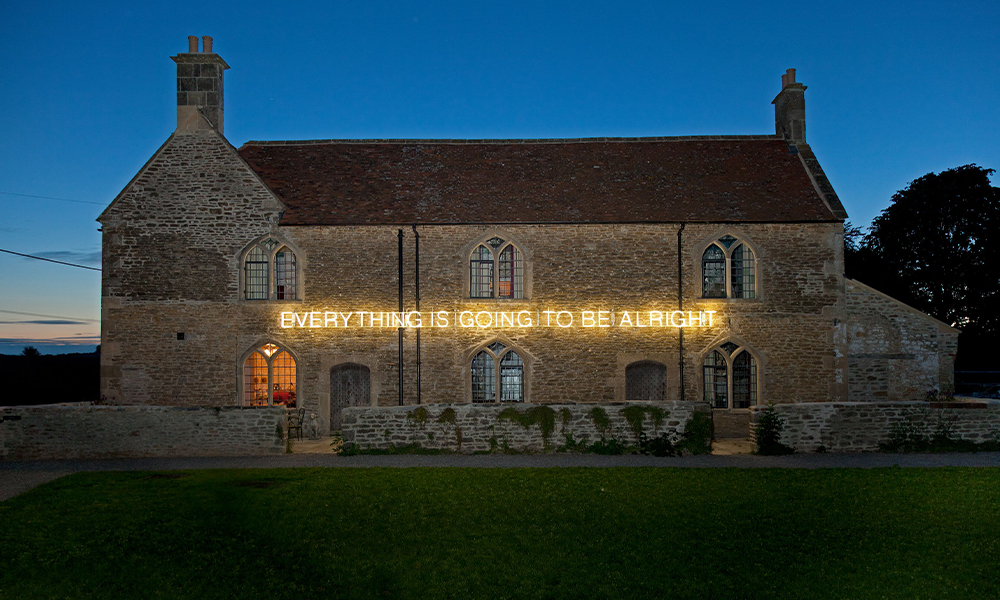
{"points": [[935, 248]]}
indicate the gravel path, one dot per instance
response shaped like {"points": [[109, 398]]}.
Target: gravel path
{"points": [[17, 477]]}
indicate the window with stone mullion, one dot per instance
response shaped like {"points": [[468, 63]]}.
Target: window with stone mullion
{"points": [[481, 273], [713, 271], [255, 275], [743, 269], [716, 380], [511, 378], [483, 378]]}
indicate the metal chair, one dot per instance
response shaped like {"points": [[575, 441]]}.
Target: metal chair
{"points": [[295, 419]]}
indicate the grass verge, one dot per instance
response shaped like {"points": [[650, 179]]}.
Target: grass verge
{"points": [[506, 533]]}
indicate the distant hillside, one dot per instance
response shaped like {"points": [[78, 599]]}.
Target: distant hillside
{"points": [[50, 378]]}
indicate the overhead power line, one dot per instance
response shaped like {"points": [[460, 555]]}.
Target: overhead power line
{"points": [[58, 262], [29, 314], [53, 198]]}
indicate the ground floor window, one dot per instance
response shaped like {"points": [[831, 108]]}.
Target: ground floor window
{"points": [[269, 377], [646, 381], [729, 376], [497, 375]]}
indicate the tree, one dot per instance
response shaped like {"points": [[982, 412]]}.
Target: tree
{"points": [[935, 248], [30, 351]]}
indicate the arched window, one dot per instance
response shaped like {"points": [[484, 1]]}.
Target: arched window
{"points": [[260, 281], [728, 254], [269, 377], [495, 364], [646, 381], [730, 377], [496, 270]]}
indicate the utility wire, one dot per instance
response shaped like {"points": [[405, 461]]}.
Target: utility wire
{"points": [[52, 198], [58, 262], [28, 314]]}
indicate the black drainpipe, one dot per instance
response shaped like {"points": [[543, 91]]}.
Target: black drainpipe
{"points": [[680, 306], [400, 312], [416, 283]]}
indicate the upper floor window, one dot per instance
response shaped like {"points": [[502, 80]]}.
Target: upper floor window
{"points": [[497, 375], [728, 269], [496, 270], [730, 377], [270, 271]]}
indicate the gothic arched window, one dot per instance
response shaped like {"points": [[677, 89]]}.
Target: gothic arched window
{"points": [[728, 269], [496, 270], [497, 375], [261, 281], [729, 376], [269, 377]]}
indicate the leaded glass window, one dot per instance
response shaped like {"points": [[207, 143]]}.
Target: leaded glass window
{"points": [[284, 274], [744, 380], [743, 268], [481, 273], [511, 274], [497, 375], [729, 270], [269, 378], [713, 272], [255, 275], [483, 378], [260, 281], [730, 374], [511, 378], [496, 272], [716, 381], [646, 381]]}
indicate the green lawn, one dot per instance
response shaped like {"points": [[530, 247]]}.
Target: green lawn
{"points": [[506, 533]]}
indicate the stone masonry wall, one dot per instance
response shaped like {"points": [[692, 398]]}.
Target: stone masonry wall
{"points": [[894, 351], [479, 427], [75, 431], [790, 327], [860, 426]]}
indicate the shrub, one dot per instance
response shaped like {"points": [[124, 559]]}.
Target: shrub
{"points": [[768, 432]]}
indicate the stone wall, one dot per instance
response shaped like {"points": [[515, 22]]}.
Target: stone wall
{"points": [[84, 431], [894, 351], [484, 427], [860, 426]]}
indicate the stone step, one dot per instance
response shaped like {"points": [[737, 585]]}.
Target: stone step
{"points": [[731, 424]]}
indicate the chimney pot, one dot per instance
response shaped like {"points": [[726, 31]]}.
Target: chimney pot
{"points": [[784, 81], [206, 43], [192, 44]]}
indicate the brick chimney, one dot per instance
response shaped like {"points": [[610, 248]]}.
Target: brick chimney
{"points": [[790, 109], [199, 85]]}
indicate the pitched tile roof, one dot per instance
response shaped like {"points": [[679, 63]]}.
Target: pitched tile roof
{"points": [[598, 180]]}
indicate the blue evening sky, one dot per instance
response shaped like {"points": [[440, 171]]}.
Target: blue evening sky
{"points": [[896, 90]]}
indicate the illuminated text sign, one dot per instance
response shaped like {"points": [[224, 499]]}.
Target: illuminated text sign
{"points": [[484, 319]]}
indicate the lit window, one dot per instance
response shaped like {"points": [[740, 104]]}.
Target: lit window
{"points": [[730, 372], [496, 270], [269, 377], [497, 364], [260, 281], [728, 254], [646, 381]]}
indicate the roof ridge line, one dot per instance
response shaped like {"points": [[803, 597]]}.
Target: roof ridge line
{"points": [[510, 141]]}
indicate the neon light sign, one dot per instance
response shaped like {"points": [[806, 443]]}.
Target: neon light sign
{"points": [[484, 319]]}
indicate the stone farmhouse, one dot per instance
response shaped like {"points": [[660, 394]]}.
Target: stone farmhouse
{"points": [[352, 277]]}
